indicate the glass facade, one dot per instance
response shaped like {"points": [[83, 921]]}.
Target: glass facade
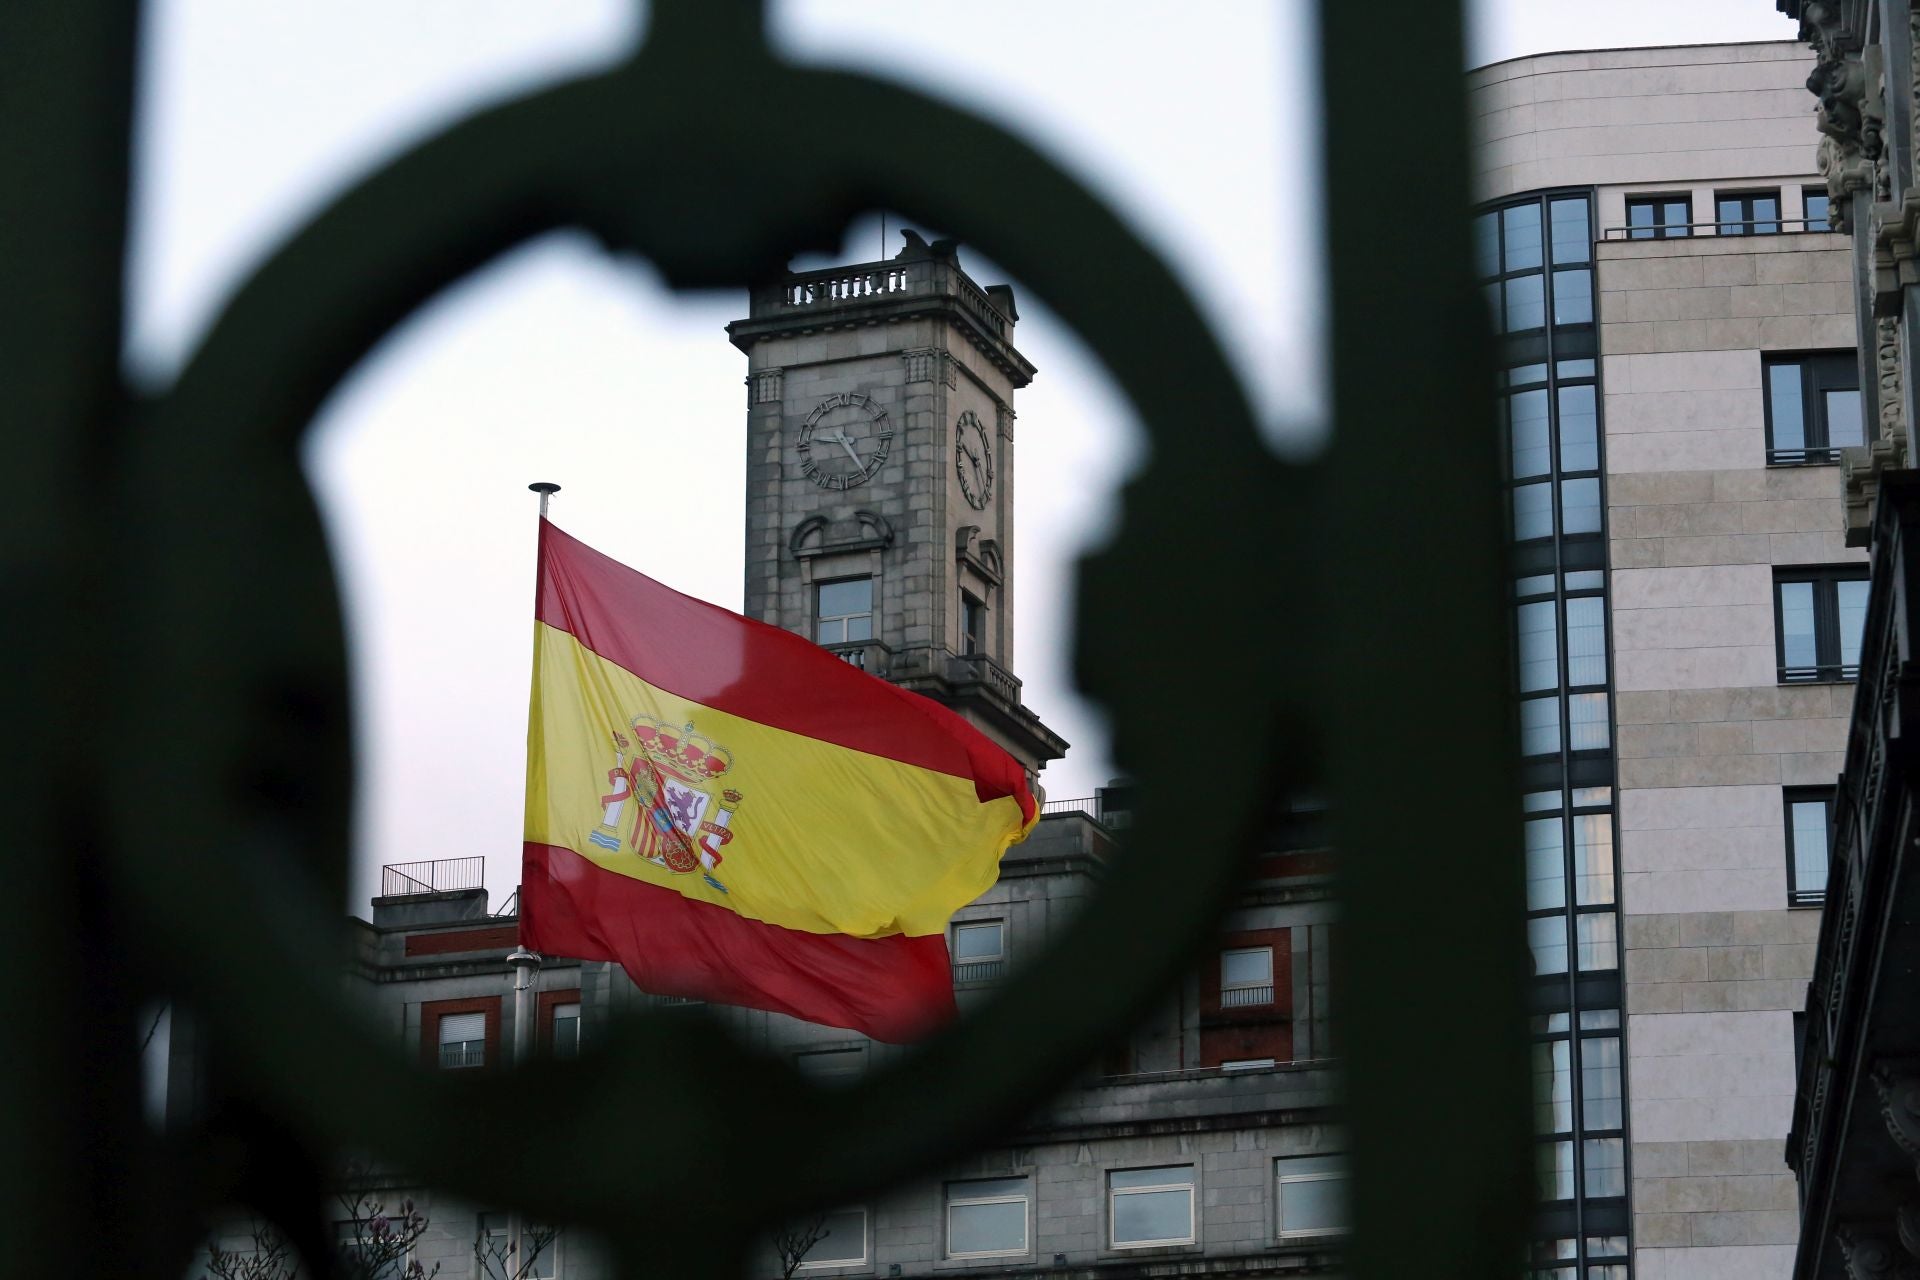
{"points": [[1536, 264]]}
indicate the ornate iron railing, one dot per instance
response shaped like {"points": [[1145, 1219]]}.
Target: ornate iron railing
{"points": [[211, 632]]}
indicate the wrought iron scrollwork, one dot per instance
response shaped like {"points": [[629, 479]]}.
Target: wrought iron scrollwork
{"points": [[186, 596]]}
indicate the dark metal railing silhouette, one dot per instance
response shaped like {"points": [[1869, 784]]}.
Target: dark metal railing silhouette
{"points": [[181, 765]]}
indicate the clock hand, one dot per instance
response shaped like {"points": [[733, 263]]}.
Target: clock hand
{"points": [[847, 444]]}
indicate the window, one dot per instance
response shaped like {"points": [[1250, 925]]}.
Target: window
{"points": [[979, 951], [1553, 1170], [1819, 212], [1600, 1099], [540, 1246], [463, 1040], [830, 1066], [844, 611], [843, 1240], [1747, 213], [1310, 1196], [987, 1217], [1809, 843], [566, 1031], [1658, 217], [1606, 1167], [371, 1249], [1818, 616], [973, 624], [1246, 977], [1813, 408], [1517, 250], [1151, 1206]]}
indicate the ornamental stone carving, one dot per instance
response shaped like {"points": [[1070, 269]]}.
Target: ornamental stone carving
{"points": [[1851, 118], [1906, 1222], [1899, 1090], [1913, 87], [1872, 1256], [1860, 468], [1886, 363]]}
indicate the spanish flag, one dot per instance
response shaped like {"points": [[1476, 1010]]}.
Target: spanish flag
{"points": [[736, 815]]}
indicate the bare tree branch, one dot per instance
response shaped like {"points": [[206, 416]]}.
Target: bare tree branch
{"points": [[794, 1242]]}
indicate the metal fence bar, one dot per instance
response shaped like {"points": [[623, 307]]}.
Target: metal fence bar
{"points": [[70, 1129], [1412, 489], [251, 795]]}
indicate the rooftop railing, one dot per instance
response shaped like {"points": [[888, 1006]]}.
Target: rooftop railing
{"points": [[442, 875]]}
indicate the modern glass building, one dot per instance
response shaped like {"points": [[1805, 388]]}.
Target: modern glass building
{"points": [[1675, 338]]}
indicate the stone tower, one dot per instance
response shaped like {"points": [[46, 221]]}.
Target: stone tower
{"points": [[880, 477]]}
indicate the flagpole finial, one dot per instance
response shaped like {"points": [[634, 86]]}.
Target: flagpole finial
{"points": [[546, 489]]}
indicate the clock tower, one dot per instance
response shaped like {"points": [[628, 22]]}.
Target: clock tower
{"points": [[880, 433]]}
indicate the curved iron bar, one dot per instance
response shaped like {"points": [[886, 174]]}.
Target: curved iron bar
{"points": [[252, 791]]}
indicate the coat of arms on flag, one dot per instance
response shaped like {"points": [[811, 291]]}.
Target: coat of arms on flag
{"points": [[671, 776]]}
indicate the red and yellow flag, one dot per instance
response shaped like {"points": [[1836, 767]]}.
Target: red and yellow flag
{"points": [[734, 814]]}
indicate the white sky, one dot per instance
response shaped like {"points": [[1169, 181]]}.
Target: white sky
{"points": [[559, 364]]}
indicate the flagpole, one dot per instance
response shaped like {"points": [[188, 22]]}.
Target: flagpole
{"points": [[524, 963]]}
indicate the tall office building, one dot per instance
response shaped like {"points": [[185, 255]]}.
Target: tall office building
{"points": [[1679, 370]]}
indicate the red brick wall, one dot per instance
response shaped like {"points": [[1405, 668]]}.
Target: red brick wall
{"points": [[543, 1015], [499, 937], [1248, 1031], [432, 1011]]}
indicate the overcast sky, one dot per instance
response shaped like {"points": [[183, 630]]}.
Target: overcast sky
{"points": [[560, 364]]}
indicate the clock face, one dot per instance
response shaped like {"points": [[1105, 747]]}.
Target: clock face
{"points": [[844, 441], [973, 460]]}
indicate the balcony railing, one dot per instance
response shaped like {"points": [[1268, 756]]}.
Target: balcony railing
{"points": [[470, 1053], [870, 656], [1746, 227], [979, 971], [443, 875], [1241, 997]]}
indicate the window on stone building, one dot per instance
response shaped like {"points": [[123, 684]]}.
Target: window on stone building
{"points": [[501, 1256], [844, 1242], [1819, 211], [366, 1253], [1246, 977], [1658, 217], [973, 623], [463, 1040], [1310, 1196], [1812, 408], [843, 611], [987, 1217], [1818, 617], [979, 950], [831, 1066], [1150, 1206], [1809, 843], [1553, 1170], [1747, 213], [566, 1031]]}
